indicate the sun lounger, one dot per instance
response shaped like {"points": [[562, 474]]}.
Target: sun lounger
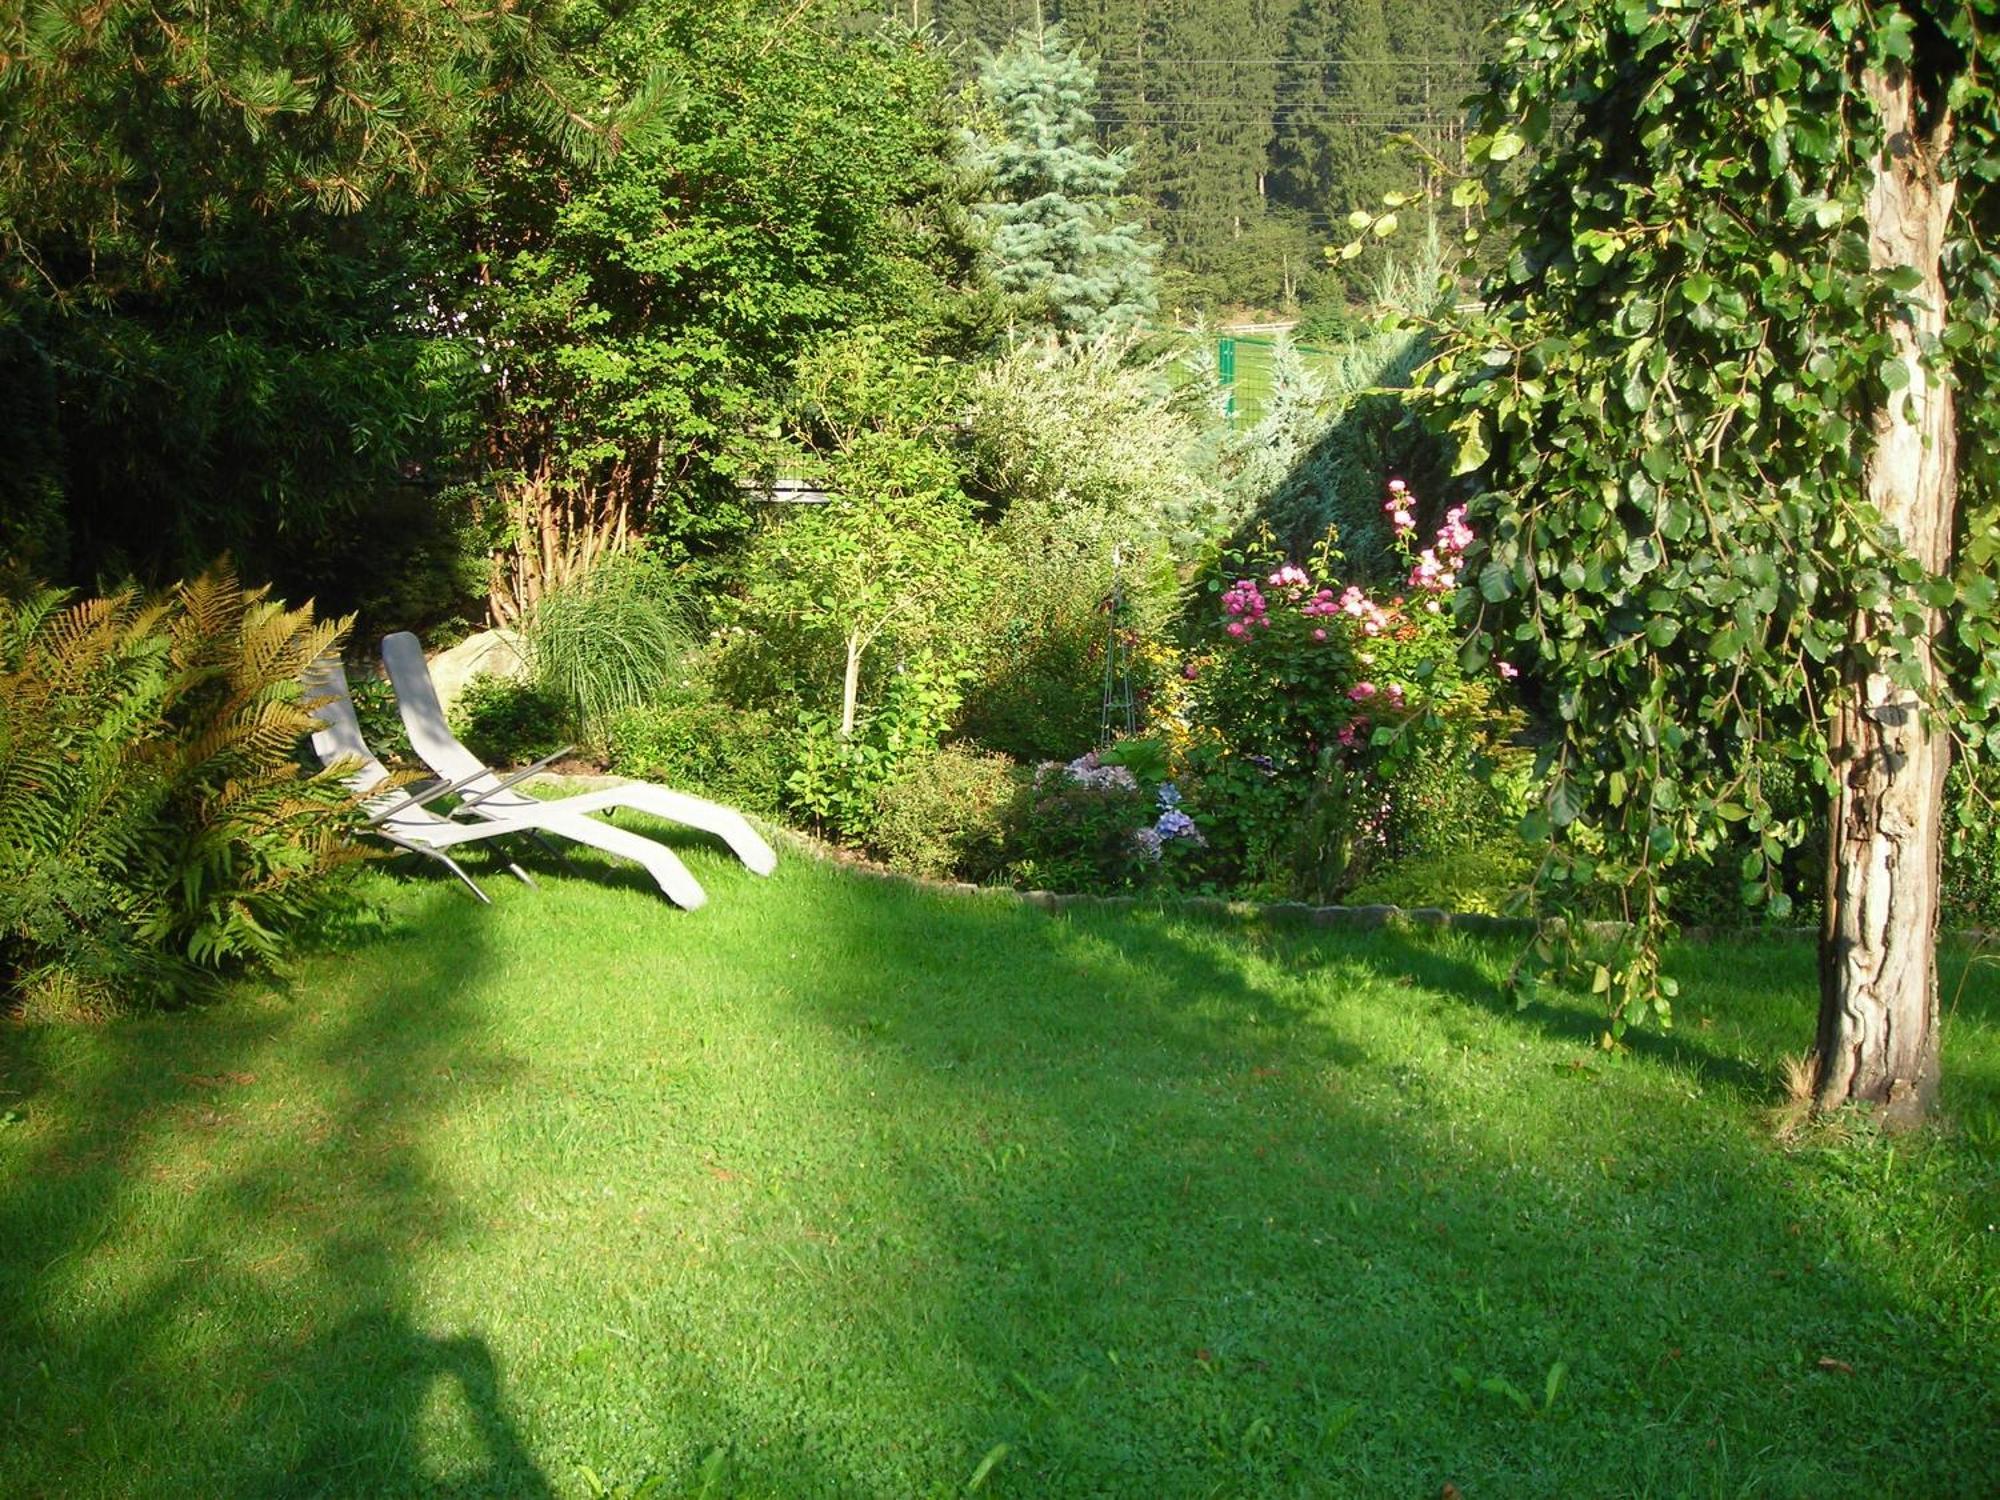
{"points": [[487, 795], [407, 821]]}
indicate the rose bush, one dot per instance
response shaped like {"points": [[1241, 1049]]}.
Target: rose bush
{"points": [[1329, 729]]}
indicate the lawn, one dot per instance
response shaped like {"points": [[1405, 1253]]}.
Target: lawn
{"points": [[839, 1188]]}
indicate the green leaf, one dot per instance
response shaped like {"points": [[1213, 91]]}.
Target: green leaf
{"points": [[986, 1467], [1475, 444], [1564, 803]]}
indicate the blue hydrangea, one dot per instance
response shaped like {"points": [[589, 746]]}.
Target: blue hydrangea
{"points": [[1175, 824], [1169, 795]]}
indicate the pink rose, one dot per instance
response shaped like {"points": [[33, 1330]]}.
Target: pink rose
{"points": [[1361, 692]]}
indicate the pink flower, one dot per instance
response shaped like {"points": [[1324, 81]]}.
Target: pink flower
{"points": [[1319, 635], [1236, 628], [1361, 692], [1507, 670], [1190, 671], [1394, 694], [1347, 735], [1244, 599], [1396, 486]]}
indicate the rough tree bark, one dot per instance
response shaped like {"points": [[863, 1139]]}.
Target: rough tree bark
{"points": [[1878, 1020]]}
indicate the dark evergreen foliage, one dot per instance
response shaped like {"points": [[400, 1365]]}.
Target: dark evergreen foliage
{"points": [[1255, 126]]}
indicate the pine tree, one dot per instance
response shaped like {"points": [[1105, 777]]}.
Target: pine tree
{"points": [[1441, 45], [1051, 215], [1214, 105], [1332, 151]]}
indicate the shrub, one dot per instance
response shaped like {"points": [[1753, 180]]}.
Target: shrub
{"points": [[1972, 855], [156, 828], [1090, 430], [1482, 876], [1332, 730], [1095, 825], [509, 721], [1038, 685], [837, 779], [607, 642], [381, 725], [1315, 460], [948, 813], [694, 742]]}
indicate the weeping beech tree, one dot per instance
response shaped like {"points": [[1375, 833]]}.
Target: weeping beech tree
{"points": [[1729, 395]]}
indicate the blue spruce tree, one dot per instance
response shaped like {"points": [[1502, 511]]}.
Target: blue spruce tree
{"points": [[1051, 208]]}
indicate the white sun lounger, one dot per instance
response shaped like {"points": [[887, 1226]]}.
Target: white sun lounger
{"points": [[406, 822], [486, 795]]}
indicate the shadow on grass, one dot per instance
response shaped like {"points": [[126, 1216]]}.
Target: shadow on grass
{"points": [[1263, 1238], [284, 1316], [1127, 1204]]}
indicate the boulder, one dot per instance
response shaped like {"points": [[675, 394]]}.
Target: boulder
{"points": [[497, 653]]}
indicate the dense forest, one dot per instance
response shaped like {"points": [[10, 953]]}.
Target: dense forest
{"points": [[1254, 126]]}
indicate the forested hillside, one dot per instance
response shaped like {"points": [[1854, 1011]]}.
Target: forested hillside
{"points": [[1253, 125]]}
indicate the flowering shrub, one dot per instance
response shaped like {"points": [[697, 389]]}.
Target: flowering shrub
{"points": [[1095, 825], [1327, 721]]}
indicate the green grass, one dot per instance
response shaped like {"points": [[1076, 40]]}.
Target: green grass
{"points": [[839, 1188]]}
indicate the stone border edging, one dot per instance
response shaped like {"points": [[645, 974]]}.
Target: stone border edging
{"points": [[1302, 912]]}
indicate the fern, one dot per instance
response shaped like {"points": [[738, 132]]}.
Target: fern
{"points": [[156, 829]]}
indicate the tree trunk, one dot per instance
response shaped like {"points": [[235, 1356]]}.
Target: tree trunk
{"points": [[1878, 1020], [850, 686]]}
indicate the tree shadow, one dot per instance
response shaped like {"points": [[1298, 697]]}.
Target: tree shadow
{"points": [[282, 1323], [1279, 1252], [1123, 1202], [355, 1446]]}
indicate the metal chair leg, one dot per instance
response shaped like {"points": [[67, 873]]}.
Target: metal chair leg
{"points": [[470, 884]]}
